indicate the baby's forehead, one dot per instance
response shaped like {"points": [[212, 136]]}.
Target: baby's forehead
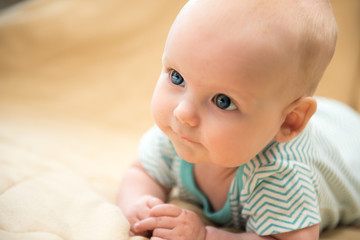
{"points": [[238, 21], [234, 19]]}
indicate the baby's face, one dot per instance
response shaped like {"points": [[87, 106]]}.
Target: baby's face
{"points": [[219, 97]]}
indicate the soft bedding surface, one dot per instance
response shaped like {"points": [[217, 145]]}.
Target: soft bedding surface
{"points": [[76, 79]]}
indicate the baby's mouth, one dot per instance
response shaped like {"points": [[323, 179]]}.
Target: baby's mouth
{"points": [[184, 137]]}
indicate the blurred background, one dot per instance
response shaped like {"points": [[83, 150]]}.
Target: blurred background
{"points": [[98, 61], [76, 76], [83, 60]]}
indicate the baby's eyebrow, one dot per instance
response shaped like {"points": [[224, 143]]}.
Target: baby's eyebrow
{"points": [[165, 61], [168, 63]]}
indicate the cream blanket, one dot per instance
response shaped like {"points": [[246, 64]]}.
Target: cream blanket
{"points": [[76, 79], [41, 199], [44, 196]]}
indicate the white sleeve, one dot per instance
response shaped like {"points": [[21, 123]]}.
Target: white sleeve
{"points": [[156, 155]]}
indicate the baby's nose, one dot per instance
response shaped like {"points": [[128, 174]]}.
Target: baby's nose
{"points": [[187, 113]]}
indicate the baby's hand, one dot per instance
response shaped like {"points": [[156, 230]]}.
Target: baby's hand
{"points": [[168, 221], [140, 211]]}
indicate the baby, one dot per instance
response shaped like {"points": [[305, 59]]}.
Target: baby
{"points": [[235, 132]]}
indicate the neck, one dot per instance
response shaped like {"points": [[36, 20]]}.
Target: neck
{"points": [[217, 171]]}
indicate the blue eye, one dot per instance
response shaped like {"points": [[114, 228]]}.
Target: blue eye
{"points": [[224, 102], [176, 78]]}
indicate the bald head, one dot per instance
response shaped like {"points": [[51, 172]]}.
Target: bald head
{"points": [[306, 29]]}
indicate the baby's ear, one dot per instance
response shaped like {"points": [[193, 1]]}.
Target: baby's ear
{"points": [[297, 115]]}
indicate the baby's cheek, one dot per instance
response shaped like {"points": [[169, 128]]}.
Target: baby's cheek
{"points": [[226, 148], [160, 113], [157, 107], [162, 108]]}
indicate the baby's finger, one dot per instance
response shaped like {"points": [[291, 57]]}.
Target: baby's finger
{"points": [[169, 210], [142, 214], [161, 233], [152, 223], [144, 205], [153, 201]]}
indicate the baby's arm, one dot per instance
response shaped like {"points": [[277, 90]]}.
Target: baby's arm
{"points": [[138, 193]]}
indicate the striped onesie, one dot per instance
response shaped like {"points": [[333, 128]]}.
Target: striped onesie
{"points": [[312, 179]]}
